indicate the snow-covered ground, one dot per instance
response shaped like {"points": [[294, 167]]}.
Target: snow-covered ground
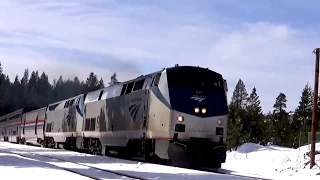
{"points": [[272, 161], [39, 167], [16, 167]]}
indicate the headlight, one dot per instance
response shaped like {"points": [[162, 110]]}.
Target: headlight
{"points": [[220, 122], [204, 110], [180, 118], [197, 110]]}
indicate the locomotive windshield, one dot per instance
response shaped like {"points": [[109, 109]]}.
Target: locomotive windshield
{"points": [[191, 87]]}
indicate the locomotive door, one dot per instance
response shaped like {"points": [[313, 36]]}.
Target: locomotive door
{"points": [[5, 134], [146, 89], [145, 108], [44, 124], [10, 134], [24, 124], [36, 125]]}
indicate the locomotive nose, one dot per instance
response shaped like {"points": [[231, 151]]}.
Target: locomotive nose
{"points": [[188, 126]]}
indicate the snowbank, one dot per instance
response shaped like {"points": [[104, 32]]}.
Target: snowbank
{"points": [[272, 161], [251, 147]]}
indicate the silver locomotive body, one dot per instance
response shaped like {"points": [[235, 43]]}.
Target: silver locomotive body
{"points": [[115, 116], [171, 114], [199, 115], [32, 127], [62, 122]]}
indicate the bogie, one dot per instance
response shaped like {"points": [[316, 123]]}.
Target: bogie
{"points": [[92, 146]]}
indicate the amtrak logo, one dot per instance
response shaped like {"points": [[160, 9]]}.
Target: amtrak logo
{"points": [[198, 98], [133, 109]]}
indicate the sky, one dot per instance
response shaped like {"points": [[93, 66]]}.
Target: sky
{"points": [[268, 44]]}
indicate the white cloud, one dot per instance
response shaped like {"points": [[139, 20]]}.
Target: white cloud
{"points": [[272, 57], [17, 60]]}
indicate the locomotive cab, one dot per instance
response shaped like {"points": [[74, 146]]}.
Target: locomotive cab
{"points": [[198, 103], [198, 115]]}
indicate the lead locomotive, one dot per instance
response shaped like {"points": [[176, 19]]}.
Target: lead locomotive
{"points": [[178, 114]]}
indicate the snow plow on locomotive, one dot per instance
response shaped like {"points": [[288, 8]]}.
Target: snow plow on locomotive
{"points": [[177, 115]]}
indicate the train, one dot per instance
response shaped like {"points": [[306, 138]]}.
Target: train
{"points": [[177, 115]]}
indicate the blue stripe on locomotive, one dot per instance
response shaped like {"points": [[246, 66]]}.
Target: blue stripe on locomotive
{"points": [[79, 110]]}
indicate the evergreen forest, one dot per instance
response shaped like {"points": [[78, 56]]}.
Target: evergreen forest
{"points": [[247, 122]]}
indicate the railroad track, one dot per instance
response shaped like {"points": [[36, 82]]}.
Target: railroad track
{"points": [[218, 171], [233, 173], [210, 170], [103, 173]]}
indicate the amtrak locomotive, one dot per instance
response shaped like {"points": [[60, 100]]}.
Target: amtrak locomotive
{"points": [[178, 115]]}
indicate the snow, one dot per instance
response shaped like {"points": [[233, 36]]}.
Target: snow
{"points": [[272, 161], [40, 167], [14, 167]]}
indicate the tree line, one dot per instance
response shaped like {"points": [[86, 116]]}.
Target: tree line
{"points": [[247, 122], [35, 90]]}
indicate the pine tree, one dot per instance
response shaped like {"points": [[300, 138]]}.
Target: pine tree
{"points": [[234, 135], [281, 122], [32, 89], [101, 83], [15, 95], [24, 89], [92, 82], [44, 90], [269, 136], [239, 96], [6, 92], [280, 104], [254, 118], [303, 115], [237, 112], [2, 91], [114, 79], [304, 110], [59, 91]]}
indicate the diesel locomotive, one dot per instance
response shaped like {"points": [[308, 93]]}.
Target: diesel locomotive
{"points": [[178, 115]]}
